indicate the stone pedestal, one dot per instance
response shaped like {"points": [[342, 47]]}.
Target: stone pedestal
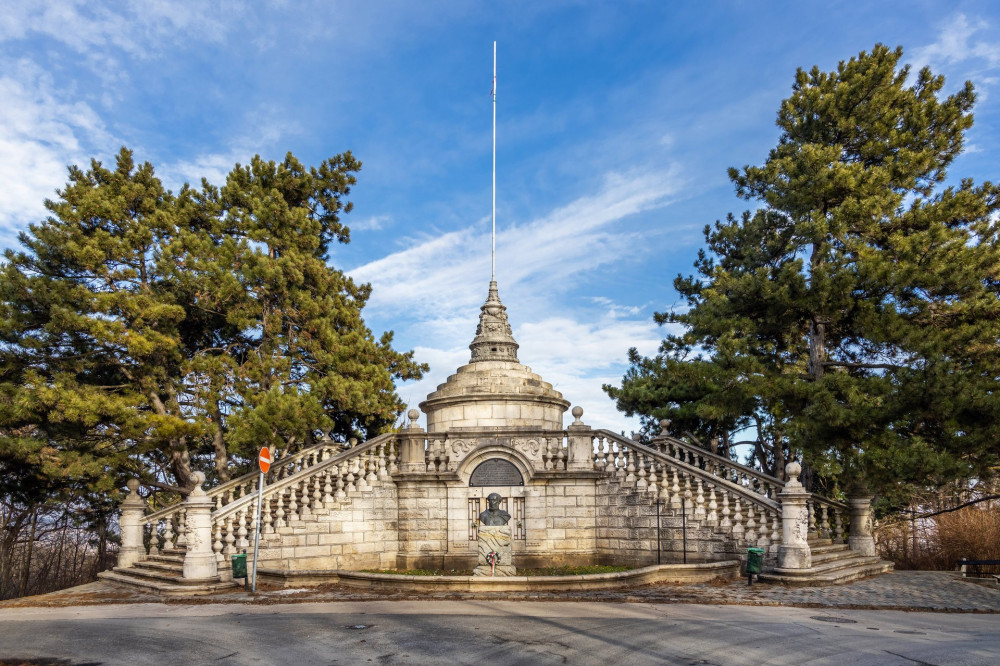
{"points": [[130, 524], [861, 540], [495, 539], [794, 552], [412, 458], [199, 561], [580, 452]]}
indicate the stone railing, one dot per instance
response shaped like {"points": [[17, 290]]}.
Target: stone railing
{"points": [[167, 526], [737, 510], [764, 484], [296, 497], [828, 519], [444, 451]]}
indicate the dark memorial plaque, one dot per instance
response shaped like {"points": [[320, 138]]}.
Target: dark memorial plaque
{"points": [[496, 472]]}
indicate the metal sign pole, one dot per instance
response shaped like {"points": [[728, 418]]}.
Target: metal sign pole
{"points": [[684, 530], [256, 534]]}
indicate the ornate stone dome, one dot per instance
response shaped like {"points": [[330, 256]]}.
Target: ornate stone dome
{"points": [[494, 390]]}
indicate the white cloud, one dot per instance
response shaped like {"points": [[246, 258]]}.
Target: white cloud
{"points": [[40, 133], [373, 223], [955, 44], [444, 274]]}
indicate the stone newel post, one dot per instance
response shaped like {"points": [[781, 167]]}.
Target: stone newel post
{"points": [[199, 561], [580, 455], [861, 539], [794, 553], [411, 445], [133, 510]]}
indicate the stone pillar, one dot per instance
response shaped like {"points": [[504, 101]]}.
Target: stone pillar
{"points": [[199, 561], [580, 455], [411, 446], [794, 553], [130, 524], [861, 540]]}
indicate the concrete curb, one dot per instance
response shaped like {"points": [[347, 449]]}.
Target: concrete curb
{"points": [[662, 573]]}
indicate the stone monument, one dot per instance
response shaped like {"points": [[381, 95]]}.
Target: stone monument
{"points": [[495, 548]]}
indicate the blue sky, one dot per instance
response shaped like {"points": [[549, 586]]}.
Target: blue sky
{"points": [[616, 123]]}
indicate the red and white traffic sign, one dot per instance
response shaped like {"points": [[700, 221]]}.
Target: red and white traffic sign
{"points": [[264, 460]]}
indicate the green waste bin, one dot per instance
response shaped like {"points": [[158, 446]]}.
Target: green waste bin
{"points": [[755, 560], [240, 565]]}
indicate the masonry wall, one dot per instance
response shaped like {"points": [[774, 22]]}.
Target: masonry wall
{"points": [[360, 533]]}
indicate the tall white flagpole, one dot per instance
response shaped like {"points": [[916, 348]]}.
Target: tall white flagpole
{"points": [[493, 241]]}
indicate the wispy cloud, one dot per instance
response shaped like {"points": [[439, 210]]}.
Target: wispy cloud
{"points": [[40, 133], [443, 274], [956, 43], [373, 223]]}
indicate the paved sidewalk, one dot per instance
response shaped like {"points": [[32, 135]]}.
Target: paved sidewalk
{"points": [[902, 590]]}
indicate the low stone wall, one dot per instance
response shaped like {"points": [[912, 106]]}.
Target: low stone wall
{"points": [[666, 573]]}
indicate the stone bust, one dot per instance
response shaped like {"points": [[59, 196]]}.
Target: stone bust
{"points": [[494, 515]]}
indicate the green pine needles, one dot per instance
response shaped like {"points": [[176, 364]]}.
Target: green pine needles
{"points": [[853, 317]]}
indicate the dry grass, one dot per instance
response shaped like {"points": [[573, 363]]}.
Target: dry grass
{"points": [[937, 543]]}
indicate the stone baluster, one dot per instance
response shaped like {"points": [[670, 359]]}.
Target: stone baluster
{"points": [[328, 488], [217, 547], [751, 526], [131, 526], [279, 510], [725, 522], [293, 503], [713, 507], [241, 533], [640, 483], [228, 538], [372, 462], [350, 476], [811, 515], [653, 489], [699, 502], [737, 530], [154, 536], [391, 454], [546, 454], [317, 493], [838, 516], [561, 456], [218, 501], [341, 472], [181, 540], [675, 491], [794, 552], [359, 472], [763, 538], [775, 532], [199, 560], [168, 533], [380, 463], [630, 467], [265, 518]]}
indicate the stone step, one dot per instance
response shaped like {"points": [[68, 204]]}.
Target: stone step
{"points": [[166, 567], [830, 577], [831, 548], [166, 588], [166, 559]]}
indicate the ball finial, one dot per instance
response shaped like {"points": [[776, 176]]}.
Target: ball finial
{"points": [[199, 478], [792, 471], [577, 413], [132, 485], [413, 414], [664, 426]]}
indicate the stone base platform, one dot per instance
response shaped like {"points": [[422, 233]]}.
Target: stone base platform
{"points": [[661, 573]]}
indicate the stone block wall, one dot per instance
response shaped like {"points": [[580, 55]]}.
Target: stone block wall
{"points": [[360, 533]]}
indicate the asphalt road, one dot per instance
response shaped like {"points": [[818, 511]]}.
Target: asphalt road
{"points": [[492, 633]]}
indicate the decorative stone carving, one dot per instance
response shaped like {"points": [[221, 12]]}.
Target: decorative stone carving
{"points": [[199, 561], [794, 552], [495, 552], [494, 339], [530, 447], [861, 540]]}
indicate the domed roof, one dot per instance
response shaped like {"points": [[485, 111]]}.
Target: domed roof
{"points": [[494, 390]]}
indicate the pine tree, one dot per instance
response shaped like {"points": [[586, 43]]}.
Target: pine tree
{"points": [[859, 303], [143, 331]]}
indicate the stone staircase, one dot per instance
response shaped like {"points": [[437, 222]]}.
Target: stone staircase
{"points": [[163, 574], [832, 563]]}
